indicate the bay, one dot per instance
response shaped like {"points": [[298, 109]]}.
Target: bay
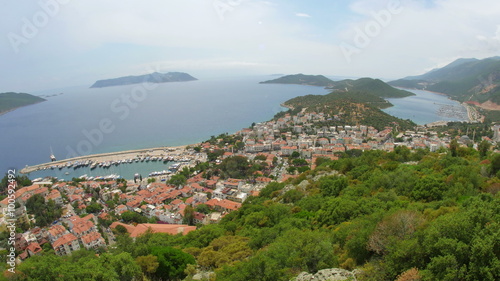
{"points": [[83, 121], [426, 107]]}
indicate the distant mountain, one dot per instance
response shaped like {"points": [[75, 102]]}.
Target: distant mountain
{"points": [[465, 80], [302, 79], [155, 77], [10, 101], [372, 86]]}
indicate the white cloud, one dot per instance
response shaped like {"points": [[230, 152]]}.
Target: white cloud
{"points": [[421, 37], [302, 15]]}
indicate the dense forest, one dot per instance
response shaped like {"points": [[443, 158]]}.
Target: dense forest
{"points": [[385, 215]]}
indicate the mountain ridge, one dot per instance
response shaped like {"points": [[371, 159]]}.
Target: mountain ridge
{"points": [[466, 80]]}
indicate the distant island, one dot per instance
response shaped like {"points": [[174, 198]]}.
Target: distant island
{"points": [[302, 79], [466, 80], [10, 101], [155, 77]]}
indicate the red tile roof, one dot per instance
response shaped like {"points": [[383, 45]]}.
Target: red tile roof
{"points": [[65, 239]]}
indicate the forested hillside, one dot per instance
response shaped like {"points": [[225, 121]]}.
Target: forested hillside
{"points": [[463, 80], [346, 108], [435, 216]]}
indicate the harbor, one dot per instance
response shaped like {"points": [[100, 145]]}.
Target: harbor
{"points": [[152, 162]]}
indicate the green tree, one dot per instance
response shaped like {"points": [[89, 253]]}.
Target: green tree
{"points": [[429, 188], [495, 164], [454, 148], [188, 215], [225, 250], [332, 185], [45, 213], [124, 265], [483, 148], [178, 180], [149, 264], [235, 167], [121, 229], [202, 208], [93, 208], [129, 216], [171, 262], [20, 180]]}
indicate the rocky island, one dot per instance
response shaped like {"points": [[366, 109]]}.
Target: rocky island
{"points": [[155, 77]]}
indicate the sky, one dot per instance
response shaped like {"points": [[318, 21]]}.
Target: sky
{"points": [[50, 44]]}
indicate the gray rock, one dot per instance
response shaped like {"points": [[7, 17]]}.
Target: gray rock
{"points": [[332, 274]]}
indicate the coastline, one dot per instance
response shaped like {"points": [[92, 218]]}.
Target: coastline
{"points": [[437, 93], [112, 156]]}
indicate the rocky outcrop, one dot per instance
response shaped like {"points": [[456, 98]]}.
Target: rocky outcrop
{"points": [[331, 274]]}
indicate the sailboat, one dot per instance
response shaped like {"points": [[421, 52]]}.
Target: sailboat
{"points": [[52, 157]]}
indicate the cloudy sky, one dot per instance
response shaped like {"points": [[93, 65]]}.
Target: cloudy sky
{"points": [[49, 44]]}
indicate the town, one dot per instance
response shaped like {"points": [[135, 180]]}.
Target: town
{"points": [[90, 213]]}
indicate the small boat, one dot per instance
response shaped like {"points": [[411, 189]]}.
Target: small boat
{"points": [[52, 157]]}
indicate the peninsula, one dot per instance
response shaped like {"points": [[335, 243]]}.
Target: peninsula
{"points": [[11, 101], [372, 86], [302, 79], [154, 77]]}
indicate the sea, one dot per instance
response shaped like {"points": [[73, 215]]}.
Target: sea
{"points": [[77, 121]]}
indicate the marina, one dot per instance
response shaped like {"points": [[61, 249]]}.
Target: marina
{"points": [[154, 162]]}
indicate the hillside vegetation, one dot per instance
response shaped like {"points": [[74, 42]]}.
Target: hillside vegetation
{"points": [[434, 216], [346, 108], [373, 86], [463, 80]]}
